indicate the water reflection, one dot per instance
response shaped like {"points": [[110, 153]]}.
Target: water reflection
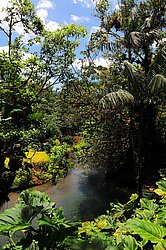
{"points": [[83, 194]]}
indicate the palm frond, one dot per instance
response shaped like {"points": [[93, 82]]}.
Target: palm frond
{"points": [[117, 99], [136, 39], [136, 79], [151, 36], [110, 45], [157, 84], [158, 64], [147, 24]]}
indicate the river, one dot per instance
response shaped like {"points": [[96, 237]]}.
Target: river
{"points": [[83, 194]]}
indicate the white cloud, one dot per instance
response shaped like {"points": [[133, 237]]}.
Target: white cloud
{"points": [[154, 45], [79, 19], [20, 30], [94, 29], [78, 64], [45, 4], [85, 3], [3, 13], [92, 3], [27, 55], [3, 4], [51, 26], [42, 13], [102, 62], [4, 48], [117, 6]]}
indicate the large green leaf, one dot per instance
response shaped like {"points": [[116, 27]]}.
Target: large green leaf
{"points": [[161, 217], [54, 222], [147, 210], [19, 217], [160, 246], [147, 229], [126, 242], [11, 220], [148, 204], [39, 202]]}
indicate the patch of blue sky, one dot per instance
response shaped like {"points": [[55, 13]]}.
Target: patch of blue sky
{"points": [[63, 12]]}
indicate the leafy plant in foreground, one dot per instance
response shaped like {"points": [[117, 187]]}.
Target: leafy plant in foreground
{"points": [[43, 226], [130, 228]]}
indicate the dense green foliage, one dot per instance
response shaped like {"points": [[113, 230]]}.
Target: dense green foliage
{"points": [[134, 99], [113, 117], [137, 224], [26, 85], [120, 108]]}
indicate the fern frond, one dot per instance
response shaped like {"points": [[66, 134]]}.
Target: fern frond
{"points": [[131, 69], [157, 84], [117, 99], [136, 79], [158, 64]]}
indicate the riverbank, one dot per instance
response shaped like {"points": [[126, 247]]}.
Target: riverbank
{"points": [[83, 193]]}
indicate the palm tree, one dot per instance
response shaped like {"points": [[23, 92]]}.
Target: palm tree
{"points": [[143, 97], [136, 30]]}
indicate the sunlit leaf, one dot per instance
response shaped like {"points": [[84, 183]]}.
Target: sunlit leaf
{"points": [[147, 229]]}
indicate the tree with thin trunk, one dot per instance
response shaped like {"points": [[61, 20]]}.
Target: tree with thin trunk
{"points": [[134, 36]]}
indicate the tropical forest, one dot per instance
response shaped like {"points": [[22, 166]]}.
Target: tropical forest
{"points": [[70, 127]]}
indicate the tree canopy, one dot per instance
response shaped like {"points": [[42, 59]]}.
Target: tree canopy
{"points": [[119, 110]]}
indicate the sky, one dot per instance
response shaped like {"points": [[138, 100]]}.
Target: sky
{"points": [[63, 12]]}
